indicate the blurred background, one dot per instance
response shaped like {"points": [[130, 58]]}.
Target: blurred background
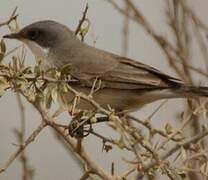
{"points": [[45, 155]]}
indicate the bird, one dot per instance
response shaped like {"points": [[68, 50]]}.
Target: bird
{"points": [[126, 84]]}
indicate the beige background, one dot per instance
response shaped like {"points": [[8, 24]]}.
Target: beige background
{"points": [[46, 155]]}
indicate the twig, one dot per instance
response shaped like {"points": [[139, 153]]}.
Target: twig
{"points": [[26, 170], [86, 175], [105, 139], [13, 17], [152, 129], [12, 51], [176, 147], [82, 20], [73, 143], [128, 172], [22, 147], [185, 123]]}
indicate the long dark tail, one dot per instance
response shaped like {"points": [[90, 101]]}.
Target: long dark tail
{"points": [[176, 91], [191, 91]]}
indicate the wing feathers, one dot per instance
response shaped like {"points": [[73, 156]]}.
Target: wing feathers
{"points": [[131, 74], [128, 74]]}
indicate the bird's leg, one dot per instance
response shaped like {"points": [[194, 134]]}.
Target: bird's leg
{"points": [[102, 119], [75, 127], [81, 124]]}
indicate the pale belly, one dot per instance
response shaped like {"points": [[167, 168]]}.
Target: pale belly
{"points": [[119, 100]]}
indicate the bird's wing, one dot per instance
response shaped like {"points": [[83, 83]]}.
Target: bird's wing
{"points": [[130, 74]]}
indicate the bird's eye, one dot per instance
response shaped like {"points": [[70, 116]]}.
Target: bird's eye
{"points": [[33, 35]]}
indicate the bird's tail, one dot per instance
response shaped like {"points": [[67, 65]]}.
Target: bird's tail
{"points": [[176, 91], [192, 91]]}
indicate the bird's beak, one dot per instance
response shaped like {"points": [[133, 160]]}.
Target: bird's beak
{"points": [[12, 36]]}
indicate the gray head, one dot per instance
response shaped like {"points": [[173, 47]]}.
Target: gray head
{"points": [[46, 33], [45, 38]]}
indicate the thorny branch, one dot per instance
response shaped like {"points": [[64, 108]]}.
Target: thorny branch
{"points": [[22, 147], [79, 29], [13, 17], [181, 19], [27, 172], [73, 143], [153, 148]]}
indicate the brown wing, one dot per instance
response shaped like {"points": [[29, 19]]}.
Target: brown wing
{"points": [[130, 74], [123, 73]]}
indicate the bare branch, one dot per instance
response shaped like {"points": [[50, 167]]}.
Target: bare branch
{"points": [[82, 20], [13, 17], [22, 147]]}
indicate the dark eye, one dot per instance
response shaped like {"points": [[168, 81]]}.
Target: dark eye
{"points": [[33, 34]]}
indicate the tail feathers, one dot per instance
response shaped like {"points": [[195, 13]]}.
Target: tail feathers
{"points": [[194, 91]]}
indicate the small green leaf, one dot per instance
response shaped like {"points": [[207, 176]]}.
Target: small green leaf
{"points": [[63, 88], [54, 94], [2, 92], [204, 169], [37, 69], [120, 143], [48, 100], [27, 70], [183, 153], [168, 128], [1, 56], [66, 69], [93, 119], [3, 46], [3, 86], [84, 30]]}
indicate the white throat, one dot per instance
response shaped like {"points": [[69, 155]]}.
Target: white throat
{"points": [[40, 53]]}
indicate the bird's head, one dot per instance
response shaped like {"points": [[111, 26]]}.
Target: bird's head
{"points": [[41, 36]]}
